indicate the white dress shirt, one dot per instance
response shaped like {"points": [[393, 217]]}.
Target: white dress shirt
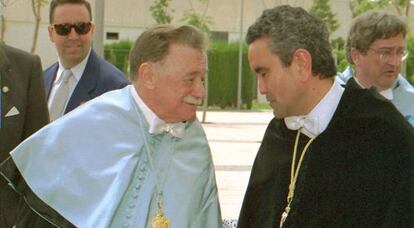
{"points": [[77, 72], [318, 119], [157, 125]]}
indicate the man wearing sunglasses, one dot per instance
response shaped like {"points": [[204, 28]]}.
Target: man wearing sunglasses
{"points": [[376, 47], [80, 74]]}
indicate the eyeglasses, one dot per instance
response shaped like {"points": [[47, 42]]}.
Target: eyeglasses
{"points": [[386, 53], [81, 28]]}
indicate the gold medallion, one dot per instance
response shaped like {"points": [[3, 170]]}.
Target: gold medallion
{"points": [[160, 221]]}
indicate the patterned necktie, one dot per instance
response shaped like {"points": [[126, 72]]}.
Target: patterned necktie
{"points": [[57, 106]]}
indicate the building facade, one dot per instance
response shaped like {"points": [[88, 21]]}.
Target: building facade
{"points": [[126, 19]]}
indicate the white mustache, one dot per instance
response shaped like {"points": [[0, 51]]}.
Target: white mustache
{"points": [[192, 100]]}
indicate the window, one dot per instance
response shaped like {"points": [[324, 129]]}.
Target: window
{"points": [[112, 35], [219, 36]]}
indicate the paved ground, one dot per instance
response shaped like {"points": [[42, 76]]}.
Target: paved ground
{"points": [[234, 139]]}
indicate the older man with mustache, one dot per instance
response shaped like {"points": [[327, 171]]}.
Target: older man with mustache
{"points": [[135, 157]]}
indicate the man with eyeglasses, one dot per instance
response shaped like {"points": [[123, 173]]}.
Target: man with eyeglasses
{"points": [[376, 46], [80, 74]]}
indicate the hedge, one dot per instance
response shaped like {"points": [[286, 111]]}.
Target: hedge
{"points": [[223, 66], [410, 59], [118, 54]]}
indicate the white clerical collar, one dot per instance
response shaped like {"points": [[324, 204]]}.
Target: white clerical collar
{"points": [[318, 119], [77, 70], [155, 124], [388, 93]]}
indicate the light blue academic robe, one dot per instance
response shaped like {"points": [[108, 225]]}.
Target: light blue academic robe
{"points": [[403, 93], [92, 166]]}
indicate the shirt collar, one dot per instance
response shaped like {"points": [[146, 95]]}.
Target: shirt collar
{"points": [[155, 124], [318, 119], [149, 115], [388, 93], [77, 70]]}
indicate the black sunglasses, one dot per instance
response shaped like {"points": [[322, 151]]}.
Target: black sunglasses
{"points": [[81, 28]]}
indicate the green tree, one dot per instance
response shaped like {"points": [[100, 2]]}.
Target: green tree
{"points": [[199, 20], [322, 9], [159, 11], [3, 20], [401, 7], [360, 6], [195, 19], [410, 61]]}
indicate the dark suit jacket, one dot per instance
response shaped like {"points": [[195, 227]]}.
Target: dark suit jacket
{"points": [[99, 77], [22, 89]]}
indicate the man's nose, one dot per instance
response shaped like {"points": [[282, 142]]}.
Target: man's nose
{"points": [[262, 86], [395, 59], [199, 90], [73, 34]]}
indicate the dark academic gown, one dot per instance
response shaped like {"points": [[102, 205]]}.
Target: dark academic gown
{"points": [[358, 173]]}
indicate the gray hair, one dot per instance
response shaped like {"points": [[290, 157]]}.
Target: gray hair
{"points": [[153, 44], [291, 28]]}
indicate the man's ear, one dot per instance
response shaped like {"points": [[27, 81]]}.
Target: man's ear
{"points": [[50, 32], [302, 63], [355, 54], [93, 27], [147, 75]]}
